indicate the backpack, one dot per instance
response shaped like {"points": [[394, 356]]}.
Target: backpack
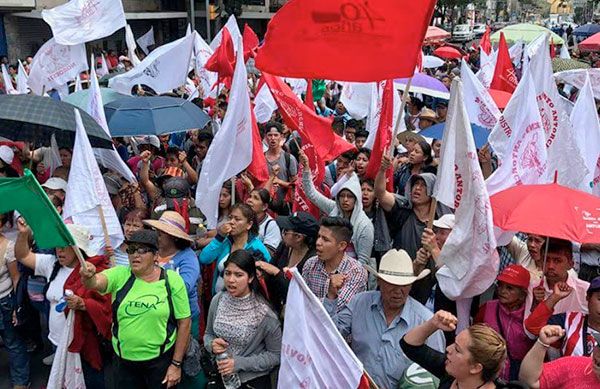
{"points": [[120, 296], [52, 277]]}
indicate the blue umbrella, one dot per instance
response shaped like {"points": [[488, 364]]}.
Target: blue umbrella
{"points": [[153, 115], [587, 30], [480, 134]]}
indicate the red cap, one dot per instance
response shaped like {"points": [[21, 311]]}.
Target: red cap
{"points": [[515, 275]]}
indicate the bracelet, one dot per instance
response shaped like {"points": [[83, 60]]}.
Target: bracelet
{"points": [[176, 363], [543, 344]]}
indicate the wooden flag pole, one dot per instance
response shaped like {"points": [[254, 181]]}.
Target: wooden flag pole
{"points": [[105, 231], [372, 384], [399, 117], [79, 255], [432, 209]]}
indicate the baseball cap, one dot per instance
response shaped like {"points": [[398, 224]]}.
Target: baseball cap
{"points": [[515, 275], [176, 188], [55, 183], [6, 154], [145, 237], [446, 222], [594, 286], [167, 174], [149, 140], [301, 222]]}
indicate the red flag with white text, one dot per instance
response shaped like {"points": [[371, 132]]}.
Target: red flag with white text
{"points": [[505, 78]]}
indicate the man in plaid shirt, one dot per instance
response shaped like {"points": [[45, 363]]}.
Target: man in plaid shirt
{"points": [[331, 265]]}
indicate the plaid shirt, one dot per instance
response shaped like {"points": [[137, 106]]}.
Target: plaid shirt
{"points": [[317, 279]]}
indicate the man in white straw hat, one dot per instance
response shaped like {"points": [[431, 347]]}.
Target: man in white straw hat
{"points": [[377, 320]]}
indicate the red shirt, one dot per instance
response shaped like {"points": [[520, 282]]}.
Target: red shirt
{"points": [[569, 373]]}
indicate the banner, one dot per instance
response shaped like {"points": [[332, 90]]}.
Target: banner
{"points": [[131, 46], [54, 65], [481, 108], [80, 21], [356, 97], [202, 52], [166, 68], [146, 40]]}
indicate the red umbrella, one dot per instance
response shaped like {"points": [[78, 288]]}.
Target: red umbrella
{"points": [[500, 97], [590, 44], [549, 210], [435, 33], [447, 52]]}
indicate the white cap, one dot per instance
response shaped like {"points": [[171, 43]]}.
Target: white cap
{"points": [[149, 140], [55, 183], [446, 222], [6, 154], [82, 238]]}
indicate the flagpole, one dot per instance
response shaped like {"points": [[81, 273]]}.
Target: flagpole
{"points": [[105, 231], [432, 209], [372, 384], [232, 191], [405, 97], [79, 255]]}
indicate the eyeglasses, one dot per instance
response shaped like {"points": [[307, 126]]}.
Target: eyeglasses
{"points": [[285, 232], [141, 250]]}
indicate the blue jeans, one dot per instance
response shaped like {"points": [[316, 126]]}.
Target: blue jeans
{"points": [[17, 351]]}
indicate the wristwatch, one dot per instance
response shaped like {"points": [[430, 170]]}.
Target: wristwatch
{"points": [[176, 363]]}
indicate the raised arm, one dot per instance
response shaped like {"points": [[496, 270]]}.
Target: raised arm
{"points": [[23, 251], [93, 280], [532, 365], [386, 199]]}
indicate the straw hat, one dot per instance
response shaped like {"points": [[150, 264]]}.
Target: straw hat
{"points": [[428, 114], [82, 238], [171, 223], [396, 267]]}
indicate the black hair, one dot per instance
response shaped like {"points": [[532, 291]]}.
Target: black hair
{"points": [[246, 260], [222, 105], [353, 123], [418, 103], [364, 150], [351, 155], [182, 244], [227, 186], [173, 150], [249, 214], [340, 227], [556, 245], [264, 195], [7, 219], [361, 134], [426, 148], [275, 125], [8, 170], [205, 136], [368, 181]]}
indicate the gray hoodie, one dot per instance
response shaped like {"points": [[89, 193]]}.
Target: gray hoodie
{"points": [[363, 231]]}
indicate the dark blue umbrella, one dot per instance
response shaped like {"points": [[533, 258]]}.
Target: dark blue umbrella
{"points": [[153, 115], [480, 134], [587, 30]]}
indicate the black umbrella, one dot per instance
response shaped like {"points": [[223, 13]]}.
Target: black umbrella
{"points": [[34, 118]]}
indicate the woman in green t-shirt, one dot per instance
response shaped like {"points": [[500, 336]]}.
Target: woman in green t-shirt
{"points": [[151, 315]]}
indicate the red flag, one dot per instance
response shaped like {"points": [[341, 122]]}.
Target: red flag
{"points": [[317, 168], [308, 98], [223, 59], [504, 74], [485, 43], [258, 166], [420, 61], [303, 32], [250, 43], [383, 137], [313, 129], [552, 48]]}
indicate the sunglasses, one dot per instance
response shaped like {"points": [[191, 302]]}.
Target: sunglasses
{"points": [[132, 249]]}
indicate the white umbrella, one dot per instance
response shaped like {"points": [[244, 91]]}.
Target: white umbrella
{"points": [[432, 62]]}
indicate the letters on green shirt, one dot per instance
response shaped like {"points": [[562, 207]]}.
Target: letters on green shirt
{"points": [[144, 312]]}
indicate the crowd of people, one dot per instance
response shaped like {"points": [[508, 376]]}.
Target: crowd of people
{"points": [[370, 256]]}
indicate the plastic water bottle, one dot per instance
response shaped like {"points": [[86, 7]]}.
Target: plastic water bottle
{"points": [[62, 303], [231, 381]]}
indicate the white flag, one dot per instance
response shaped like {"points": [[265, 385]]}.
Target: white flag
{"points": [[564, 156], [469, 254], [202, 52], [22, 79], [234, 31], [264, 104], [313, 353], [356, 97], [7, 81], [231, 150], [109, 158], [166, 68], [564, 51], [146, 40], [586, 131], [52, 158], [487, 64], [80, 21], [82, 201], [577, 78], [54, 65], [130, 41], [103, 70], [516, 53], [518, 140], [376, 101], [480, 106]]}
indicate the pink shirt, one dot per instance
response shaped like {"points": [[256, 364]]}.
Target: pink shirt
{"points": [[569, 373], [576, 301]]}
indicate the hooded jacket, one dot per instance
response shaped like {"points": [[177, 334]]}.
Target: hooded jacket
{"points": [[362, 228]]}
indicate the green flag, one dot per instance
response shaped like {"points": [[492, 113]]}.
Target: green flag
{"points": [[25, 195], [318, 89]]}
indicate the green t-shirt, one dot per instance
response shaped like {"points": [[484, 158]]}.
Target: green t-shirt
{"points": [[144, 312], [415, 377]]}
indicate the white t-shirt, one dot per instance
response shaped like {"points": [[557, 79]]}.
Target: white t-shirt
{"points": [[6, 285], [44, 263], [269, 232]]}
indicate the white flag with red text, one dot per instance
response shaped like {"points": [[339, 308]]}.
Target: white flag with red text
{"points": [[586, 131], [231, 150], [356, 97], [481, 108], [469, 254], [202, 52], [313, 353], [82, 201], [80, 21], [264, 104]]}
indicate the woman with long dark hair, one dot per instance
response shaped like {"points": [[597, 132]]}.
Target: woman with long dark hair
{"points": [[419, 161], [242, 324], [268, 231]]}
